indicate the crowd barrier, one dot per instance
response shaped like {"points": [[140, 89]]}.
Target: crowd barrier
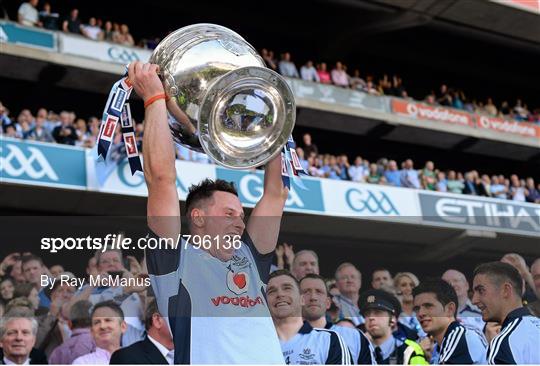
{"points": [[33, 163]]}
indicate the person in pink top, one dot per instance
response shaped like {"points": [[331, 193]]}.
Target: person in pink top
{"points": [[339, 76], [324, 75]]}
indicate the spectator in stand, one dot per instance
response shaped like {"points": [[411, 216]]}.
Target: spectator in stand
{"points": [[518, 262], [428, 176], [381, 279], [458, 98], [82, 132], [304, 262], [349, 283], [18, 331], [65, 133], [309, 73], [445, 97], [470, 184], [409, 176], [7, 288], [108, 34], [10, 131], [497, 189], [358, 171], [339, 76], [33, 268], [505, 109], [72, 24], [124, 37], [385, 86], [517, 192], [490, 108], [56, 270], [392, 174], [519, 111], [287, 67], [4, 118], [343, 164], [302, 158], [442, 183], [107, 327], [533, 192], [357, 83], [91, 30], [80, 342], [309, 147], [373, 177], [371, 89], [268, 57], [397, 86], [48, 19], [324, 75], [404, 283], [484, 186], [39, 132], [28, 14]]}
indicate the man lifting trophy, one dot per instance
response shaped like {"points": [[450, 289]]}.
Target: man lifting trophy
{"points": [[209, 87]]}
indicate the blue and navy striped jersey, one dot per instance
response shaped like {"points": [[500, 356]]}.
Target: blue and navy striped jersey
{"points": [[462, 345], [361, 350]]}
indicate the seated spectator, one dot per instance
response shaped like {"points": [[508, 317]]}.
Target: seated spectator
{"points": [[533, 193], [409, 176], [470, 184], [39, 132], [444, 97], [428, 176], [287, 67], [268, 57], [458, 99], [48, 19], [324, 75], [108, 34], [28, 14], [431, 99], [484, 186], [309, 146], [441, 185], [392, 174], [10, 131], [18, 331], [80, 342], [27, 291], [358, 171], [91, 30], [505, 108], [373, 177], [517, 192], [520, 112], [339, 76], [82, 132], [357, 82], [497, 189], [370, 88], [7, 289], [124, 37], [33, 268], [156, 348], [72, 24], [107, 327], [309, 73], [385, 86], [490, 108], [56, 270], [343, 164], [65, 133], [4, 117], [397, 86]]}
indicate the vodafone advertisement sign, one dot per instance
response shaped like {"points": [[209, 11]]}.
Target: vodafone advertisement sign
{"points": [[426, 112], [513, 127]]}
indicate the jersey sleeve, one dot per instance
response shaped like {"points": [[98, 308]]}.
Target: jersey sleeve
{"points": [[338, 352], [263, 261], [367, 353]]}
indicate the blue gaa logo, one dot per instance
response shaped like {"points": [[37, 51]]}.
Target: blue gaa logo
{"points": [[250, 187], [374, 202], [122, 55]]}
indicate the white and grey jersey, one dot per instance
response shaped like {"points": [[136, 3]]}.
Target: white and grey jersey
{"points": [[463, 346], [518, 342], [217, 311], [315, 346], [361, 349]]}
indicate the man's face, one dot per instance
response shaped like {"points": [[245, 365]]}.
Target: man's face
{"points": [[303, 264], [378, 323], [110, 261], [432, 315], [6, 289], [316, 300], [18, 339], [458, 281], [307, 139], [17, 273], [56, 270], [348, 281], [222, 220], [380, 279], [107, 328], [32, 272], [62, 293], [487, 296], [284, 300], [535, 272]]}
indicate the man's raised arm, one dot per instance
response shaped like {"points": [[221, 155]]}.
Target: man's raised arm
{"points": [[265, 221], [163, 209]]}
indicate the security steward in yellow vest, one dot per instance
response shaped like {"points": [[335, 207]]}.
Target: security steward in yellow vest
{"points": [[379, 309]]}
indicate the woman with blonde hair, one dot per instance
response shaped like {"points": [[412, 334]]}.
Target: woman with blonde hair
{"points": [[404, 283]]}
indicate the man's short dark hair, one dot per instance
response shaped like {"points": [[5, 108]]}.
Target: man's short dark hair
{"points": [[501, 272], [151, 309], [22, 290], [442, 290], [283, 272], [205, 190], [79, 314], [314, 276], [29, 258], [108, 304]]}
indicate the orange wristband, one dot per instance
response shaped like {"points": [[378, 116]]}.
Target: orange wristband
{"points": [[154, 98]]}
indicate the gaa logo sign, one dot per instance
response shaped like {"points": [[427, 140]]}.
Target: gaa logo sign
{"points": [[122, 55], [15, 163], [370, 202]]}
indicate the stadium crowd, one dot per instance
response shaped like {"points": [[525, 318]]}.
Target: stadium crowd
{"points": [[100, 30], [66, 128], [70, 322]]}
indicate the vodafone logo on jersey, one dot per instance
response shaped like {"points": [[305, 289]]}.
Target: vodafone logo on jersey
{"points": [[427, 112]]}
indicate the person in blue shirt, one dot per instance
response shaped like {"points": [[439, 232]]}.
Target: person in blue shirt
{"points": [[435, 305], [301, 344]]}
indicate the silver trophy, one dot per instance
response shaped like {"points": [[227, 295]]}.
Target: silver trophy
{"points": [[223, 100]]}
